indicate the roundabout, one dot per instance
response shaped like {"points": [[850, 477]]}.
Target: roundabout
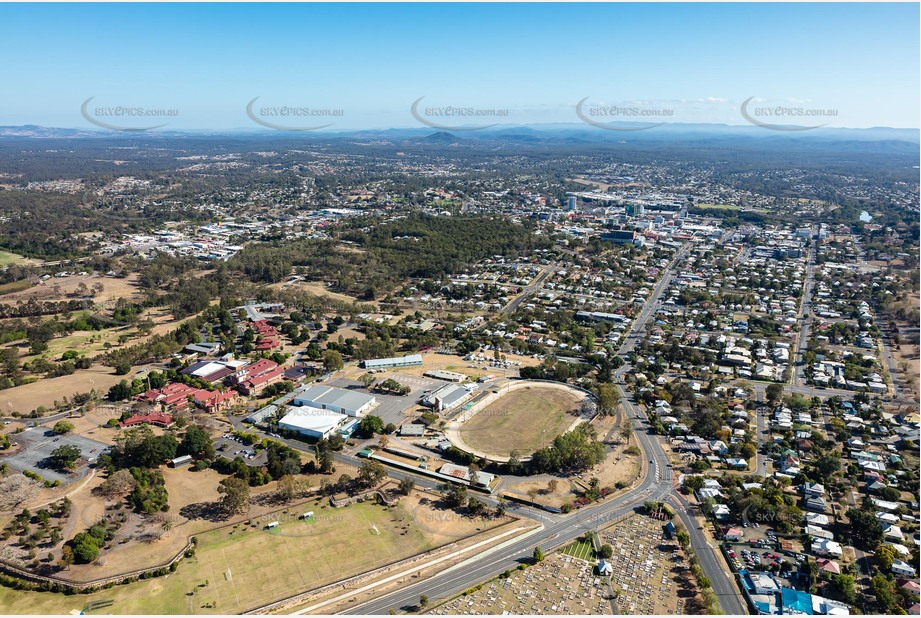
{"points": [[519, 415]]}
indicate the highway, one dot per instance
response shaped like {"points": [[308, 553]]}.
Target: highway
{"points": [[557, 530]]}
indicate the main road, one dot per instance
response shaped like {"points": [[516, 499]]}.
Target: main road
{"points": [[804, 316], [657, 485]]}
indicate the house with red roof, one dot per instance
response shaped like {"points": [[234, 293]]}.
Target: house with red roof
{"points": [[828, 566], [214, 401], [261, 374], [267, 335], [154, 418], [174, 395]]}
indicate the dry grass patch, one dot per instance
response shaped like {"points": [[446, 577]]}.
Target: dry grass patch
{"points": [[526, 419]]}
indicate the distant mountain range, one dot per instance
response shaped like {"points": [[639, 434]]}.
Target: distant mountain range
{"points": [[882, 138]]}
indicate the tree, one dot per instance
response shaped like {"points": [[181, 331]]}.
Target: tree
{"points": [[501, 506], [537, 556], [608, 398], [122, 368], [885, 556], [62, 427], [196, 443], [607, 551], [866, 533], [119, 483], [383, 441], [455, 496], [332, 360], [475, 506], [514, 462], [86, 551], [774, 392], [120, 391], [423, 601], [235, 494], [336, 441], [594, 489], [64, 457], [371, 425], [552, 485], [371, 473], [288, 487], [693, 483], [367, 380], [885, 594], [748, 450], [407, 485], [325, 461], [843, 588]]}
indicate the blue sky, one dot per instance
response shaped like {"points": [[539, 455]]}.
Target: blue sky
{"points": [[532, 61]]}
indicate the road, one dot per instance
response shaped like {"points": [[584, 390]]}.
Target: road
{"points": [[887, 355], [804, 317], [761, 436], [884, 339], [557, 530], [530, 288]]}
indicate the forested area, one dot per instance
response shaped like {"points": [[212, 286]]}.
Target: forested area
{"points": [[383, 256]]}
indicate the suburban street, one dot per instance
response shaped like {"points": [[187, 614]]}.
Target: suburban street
{"points": [[530, 288], [804, 317]]}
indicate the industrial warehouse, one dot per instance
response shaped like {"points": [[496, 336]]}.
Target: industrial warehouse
{"points": [[411, 360], [336, 399], [312, 422]]}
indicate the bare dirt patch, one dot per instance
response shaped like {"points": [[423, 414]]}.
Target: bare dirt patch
{"points": [[59, 288], [318, 289]]}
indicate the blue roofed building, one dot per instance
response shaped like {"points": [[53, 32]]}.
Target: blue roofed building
{"points": [[795, 601]]}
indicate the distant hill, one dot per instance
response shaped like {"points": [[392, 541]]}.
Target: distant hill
{"points": [[442, 137], [700, 135]]}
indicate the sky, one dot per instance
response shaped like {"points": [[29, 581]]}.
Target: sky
{"points": [[359, 66]]}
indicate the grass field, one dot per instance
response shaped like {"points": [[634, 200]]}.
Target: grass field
{"points": [[235, 570], [15, 286], [727, 207], [583, 550], [7, 258], [718, 206], [44, 392], [525, 420]]}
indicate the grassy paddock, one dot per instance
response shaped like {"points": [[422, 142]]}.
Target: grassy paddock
{"points": [[15, 286], [7, 258], [234, 570]]}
